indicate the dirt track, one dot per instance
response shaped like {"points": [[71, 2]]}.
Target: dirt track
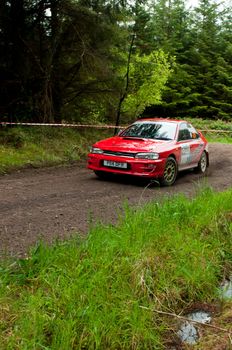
{"points": [[53, 202]]}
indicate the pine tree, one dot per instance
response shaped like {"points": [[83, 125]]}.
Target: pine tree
{"points": [[201, 82], [58, 57], [207, 62], [171, 24]]}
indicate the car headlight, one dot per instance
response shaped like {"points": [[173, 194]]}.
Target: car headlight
{"points": [[96, 150], [147, 155]]}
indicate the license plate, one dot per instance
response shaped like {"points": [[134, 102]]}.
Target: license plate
{"points": [[112, 164]]}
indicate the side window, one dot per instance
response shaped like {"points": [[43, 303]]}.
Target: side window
{"points": [[194, 134], [187, 132], [184, 133]]}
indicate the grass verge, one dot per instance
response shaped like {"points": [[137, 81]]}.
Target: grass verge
{"points": [[214, 125], [89, 294], [44, 146]]}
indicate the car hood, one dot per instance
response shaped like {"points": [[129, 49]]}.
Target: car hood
{"points": [[133, 144]]}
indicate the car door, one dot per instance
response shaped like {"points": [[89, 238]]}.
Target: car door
{"points": [[190, 146]]}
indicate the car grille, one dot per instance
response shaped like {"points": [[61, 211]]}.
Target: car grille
{"points": [[119, 154]]}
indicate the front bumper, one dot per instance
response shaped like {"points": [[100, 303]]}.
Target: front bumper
{"points": [[136, 167]]}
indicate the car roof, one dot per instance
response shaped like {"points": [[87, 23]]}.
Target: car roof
{"points": [[161, 120]]}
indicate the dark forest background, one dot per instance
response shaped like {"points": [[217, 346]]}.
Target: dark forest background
{"points": [[91, 60]]}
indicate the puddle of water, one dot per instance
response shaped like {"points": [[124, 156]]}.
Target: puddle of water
{"points": [[188, 332], [226, 289]]}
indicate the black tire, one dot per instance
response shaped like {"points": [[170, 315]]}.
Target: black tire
{"points": [[102, 174], [202, 165], [170, 172]]}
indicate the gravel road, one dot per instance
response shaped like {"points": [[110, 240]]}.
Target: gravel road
{"points": [[50, 203]]}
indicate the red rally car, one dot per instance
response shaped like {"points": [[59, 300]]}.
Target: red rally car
{"points": [[151, 148]]}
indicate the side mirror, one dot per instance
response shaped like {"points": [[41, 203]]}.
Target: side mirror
{"points": [[194, 135]]}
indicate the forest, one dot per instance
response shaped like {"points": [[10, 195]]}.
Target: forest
{"points": [[114, 60]]}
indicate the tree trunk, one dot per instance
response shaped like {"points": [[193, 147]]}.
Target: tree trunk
{"points": [[124, 94]]}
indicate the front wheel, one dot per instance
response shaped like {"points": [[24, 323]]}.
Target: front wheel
{"points": [[102, 174], [202, 165], [170, 172]]}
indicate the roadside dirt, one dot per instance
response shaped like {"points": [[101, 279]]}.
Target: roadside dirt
{"points": [[51, 203]]}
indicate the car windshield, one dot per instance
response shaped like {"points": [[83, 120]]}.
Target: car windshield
{"points": [[151, 130]]}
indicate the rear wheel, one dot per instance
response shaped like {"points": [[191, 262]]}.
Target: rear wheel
{"points": [[170, 172], [202, 165]]}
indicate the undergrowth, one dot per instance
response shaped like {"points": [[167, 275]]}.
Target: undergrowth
{"points": [[103, 292], [44, 146], [208, 125]]}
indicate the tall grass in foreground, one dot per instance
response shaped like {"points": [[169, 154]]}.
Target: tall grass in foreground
{"points": [[88, 294]]}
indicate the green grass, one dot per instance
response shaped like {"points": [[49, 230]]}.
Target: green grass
{"points": [[88, 294], [221, 138], [214, 125], [43, 146], [210, 124]]}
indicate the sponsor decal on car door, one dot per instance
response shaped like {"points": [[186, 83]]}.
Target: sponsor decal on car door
{"points": [[190, 152], [185, 157], [190, 145], [196, 150]]}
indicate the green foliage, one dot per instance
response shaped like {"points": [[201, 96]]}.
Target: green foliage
{"points": [[14, 137], [211, 124], [63, 60], [57, 60], [44, 146], [224, 134], [90, 294], [170, 26], [148, 75], [200, 85]]}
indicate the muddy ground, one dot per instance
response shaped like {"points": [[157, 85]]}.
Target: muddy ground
{"points": [[50, 203]]}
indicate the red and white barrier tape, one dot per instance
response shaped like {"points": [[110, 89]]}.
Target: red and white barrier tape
{"points": [[65, 125], [94, 126]]}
